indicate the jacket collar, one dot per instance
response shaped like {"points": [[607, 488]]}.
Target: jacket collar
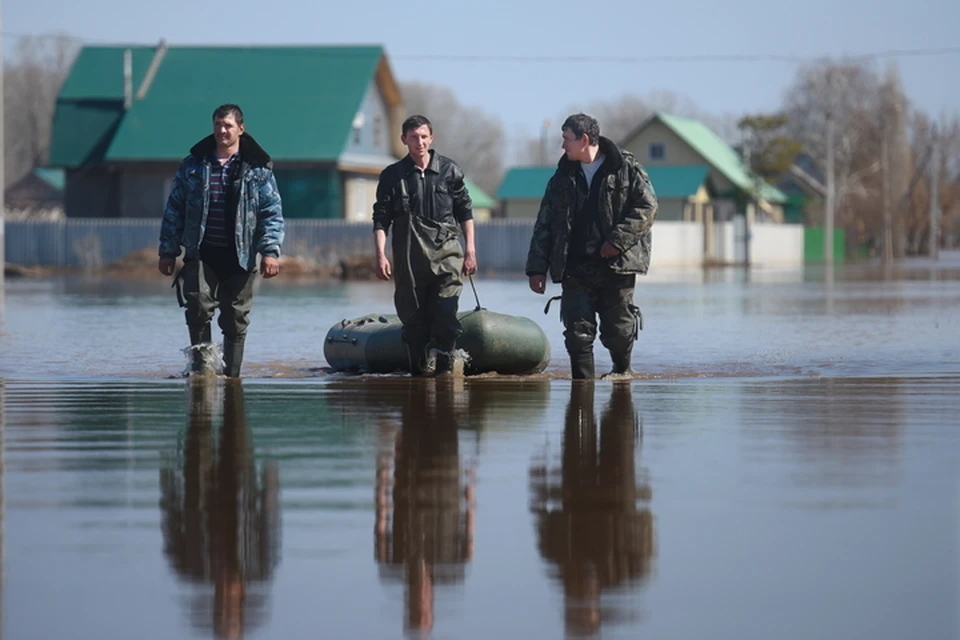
{"points": [[434, 166], [250, 152], [607, 147]]}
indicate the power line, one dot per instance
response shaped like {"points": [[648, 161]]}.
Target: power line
{"points": [[590, 59]]}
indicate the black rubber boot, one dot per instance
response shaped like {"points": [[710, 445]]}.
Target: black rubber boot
{"points": [[581, 366], [621, 362], [199, 334], [233, 355]]}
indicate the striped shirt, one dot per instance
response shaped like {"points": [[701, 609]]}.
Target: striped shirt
{"points": [[218, 226]]}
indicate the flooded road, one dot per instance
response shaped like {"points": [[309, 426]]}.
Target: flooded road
{"points": [[785, 465]]}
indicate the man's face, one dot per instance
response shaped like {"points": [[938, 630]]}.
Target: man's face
{"points": [[226, 131], [418, 140], [576, 148]]}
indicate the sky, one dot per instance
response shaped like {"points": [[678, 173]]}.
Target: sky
{"points": [[457, 44]]}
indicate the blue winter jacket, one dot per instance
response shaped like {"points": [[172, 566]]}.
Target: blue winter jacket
{"points": [[259, 215]]}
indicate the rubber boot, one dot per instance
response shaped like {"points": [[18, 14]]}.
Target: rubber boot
{"points": [[199, 334], [415, 360], [233, 355], [621, 362], [581, 366]]}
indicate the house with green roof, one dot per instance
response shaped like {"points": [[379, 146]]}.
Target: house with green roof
{"points": [[126, 116], [681, 190], [39, 190], [665, 140]]}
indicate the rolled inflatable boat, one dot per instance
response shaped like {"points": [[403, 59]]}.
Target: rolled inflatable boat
{"points": [[494, 342]]}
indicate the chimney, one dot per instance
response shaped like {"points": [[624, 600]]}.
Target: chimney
{"points": [[127, 79], [152, 69]]}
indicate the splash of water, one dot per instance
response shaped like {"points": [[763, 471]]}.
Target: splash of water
{"points": [[208, 355]]}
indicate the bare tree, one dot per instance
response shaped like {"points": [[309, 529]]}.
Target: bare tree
{"points": [[463, 133], [846, 94], [32, 80]]}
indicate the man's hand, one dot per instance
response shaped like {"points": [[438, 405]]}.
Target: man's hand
{"points": [[469, 263], [166, 266], [269, 266], [384, 270], [538, 284], [608, 250]]}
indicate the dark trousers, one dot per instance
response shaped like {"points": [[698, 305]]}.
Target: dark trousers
{"points": [[589, 293], [217, 281]]}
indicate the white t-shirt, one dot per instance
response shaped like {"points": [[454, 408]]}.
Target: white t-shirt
{"points": [[589, 170]]}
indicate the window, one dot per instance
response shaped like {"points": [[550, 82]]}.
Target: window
{"points": [[657, 152]]}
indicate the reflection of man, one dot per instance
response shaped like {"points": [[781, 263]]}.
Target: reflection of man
{"points": [[596, 536], [427, 536], [220, 518]]}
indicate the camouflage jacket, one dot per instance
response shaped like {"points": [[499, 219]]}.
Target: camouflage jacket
{"points": [[627, 207], [259, 216]]}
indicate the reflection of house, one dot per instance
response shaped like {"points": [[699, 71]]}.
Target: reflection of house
{"points": [[668, 141], [682, 191], [39, 190], [329, 116]]}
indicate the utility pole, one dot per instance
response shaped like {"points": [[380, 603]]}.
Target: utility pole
{"points": [[830, 203], [935, 197], [3, 204], [885, 196]]}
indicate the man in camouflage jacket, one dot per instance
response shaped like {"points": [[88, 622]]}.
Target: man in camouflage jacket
{"points": [[224, 209], [593, 235]]}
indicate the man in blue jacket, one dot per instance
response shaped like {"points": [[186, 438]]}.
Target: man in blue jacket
{"points": [[224, 209]]}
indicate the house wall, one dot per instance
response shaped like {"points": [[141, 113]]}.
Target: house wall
{"points": [[521, 209], [309, 192], [372, 137], [359, 195], [677, 152], [144, 189], [92, 192]]}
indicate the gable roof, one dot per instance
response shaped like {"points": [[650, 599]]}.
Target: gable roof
{"points": [[479, 197], [677, 181], [714, 151], [298, 102]]}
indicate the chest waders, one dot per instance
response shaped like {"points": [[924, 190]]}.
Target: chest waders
{"points": [[428, 287]]}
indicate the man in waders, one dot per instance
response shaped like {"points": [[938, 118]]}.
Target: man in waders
{"points": [[593, 235], [423, 198], [224, 209]]}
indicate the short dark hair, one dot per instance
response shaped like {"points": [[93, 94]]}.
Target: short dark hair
{"points": [[581, 123], [415, 122], [225, 110]]}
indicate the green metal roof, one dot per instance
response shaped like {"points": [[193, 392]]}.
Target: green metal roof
{"points": [[480, 198], [298, 102], [525, 183], [668, 181], [719, 154], [53, 177], [82, 131]]}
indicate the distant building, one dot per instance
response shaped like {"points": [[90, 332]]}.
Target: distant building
{"points": [[664, 141], [40, 191], [329, 116], [682, 191]]}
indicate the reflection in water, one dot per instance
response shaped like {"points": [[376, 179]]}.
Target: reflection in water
{"points": [[588, 522], [221, 523], [424, 526]]}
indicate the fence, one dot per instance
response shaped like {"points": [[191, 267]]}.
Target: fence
{"points": [[97, 242], [502, 244]]}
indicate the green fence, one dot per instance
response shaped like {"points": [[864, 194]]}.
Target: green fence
{"points": [[813, 244]]}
